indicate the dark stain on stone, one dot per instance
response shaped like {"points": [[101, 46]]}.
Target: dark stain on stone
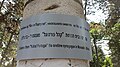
{"points": [[69, 64], [52, 7], [25, 62]]}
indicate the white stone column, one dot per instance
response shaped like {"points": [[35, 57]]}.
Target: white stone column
{"points": [[67, 7]]}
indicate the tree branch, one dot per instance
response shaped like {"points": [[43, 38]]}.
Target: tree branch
{"points": [[96, 52], [2, 4], [85, 9]]}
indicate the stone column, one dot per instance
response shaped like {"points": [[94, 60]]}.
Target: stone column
{"points": [[67, 7]]}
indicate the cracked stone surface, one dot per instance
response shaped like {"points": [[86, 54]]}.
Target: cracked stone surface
{"points": [[67, 7], [53, 63]]}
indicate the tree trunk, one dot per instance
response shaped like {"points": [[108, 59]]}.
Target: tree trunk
{"points": [[67, 7]]}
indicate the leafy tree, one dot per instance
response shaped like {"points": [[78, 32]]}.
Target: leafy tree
{"points": [[97, 33], [111, 7], [113, 30], [10, 17], [108, 62], [114, 43]]}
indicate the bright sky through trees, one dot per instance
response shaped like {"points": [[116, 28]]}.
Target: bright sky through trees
{"points": [[98, 17]]}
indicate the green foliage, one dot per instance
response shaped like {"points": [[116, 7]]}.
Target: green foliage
{"points": [[108, 62], [10, 17], [112, 30], [97, 33], [101, 57], [97, 30], [114, 43]]}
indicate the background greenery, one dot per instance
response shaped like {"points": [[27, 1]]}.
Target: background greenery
{"points": [[11, 16]]}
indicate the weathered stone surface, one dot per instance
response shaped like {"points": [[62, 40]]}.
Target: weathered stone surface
{"points": [[53, 63], [68, 7]]}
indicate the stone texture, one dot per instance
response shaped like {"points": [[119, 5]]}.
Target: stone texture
{"points": [[53, 63], [68, 7]]}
